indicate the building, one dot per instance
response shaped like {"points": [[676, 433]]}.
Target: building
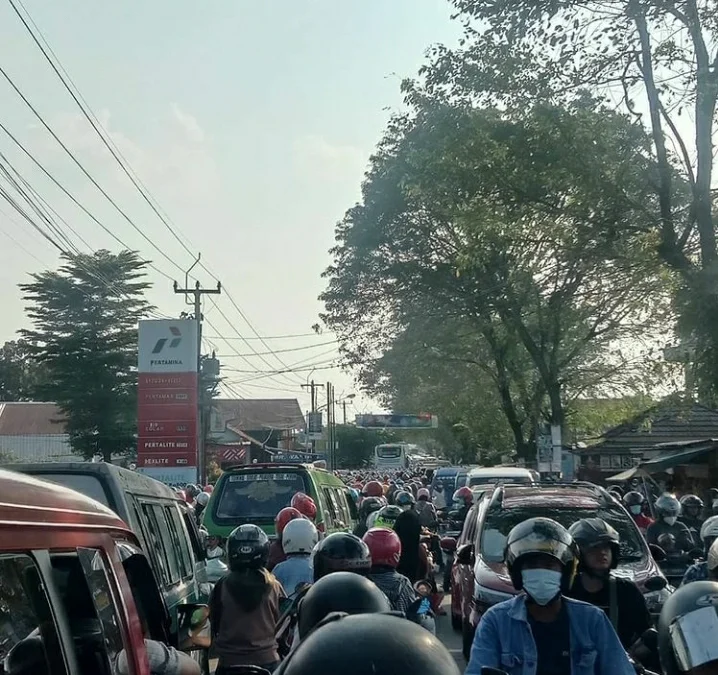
{"points": [[657, 431], [242, 430], [33, 432]]}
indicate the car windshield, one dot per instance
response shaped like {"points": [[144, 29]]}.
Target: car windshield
{"points": [[498, 524], [492, 480], [257, 495]]}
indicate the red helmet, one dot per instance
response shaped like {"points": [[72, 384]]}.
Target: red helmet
{"points": [[373, 489], [283, 517], [305, 505], [208, 488], [464, 494], [384, 546]]}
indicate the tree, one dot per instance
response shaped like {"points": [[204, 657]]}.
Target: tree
{"points": [[20, 376], [84, 337], [356, 445], [527, 227], [518, 52]]}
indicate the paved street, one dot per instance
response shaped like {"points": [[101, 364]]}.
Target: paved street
{"points": [[448, 636]]}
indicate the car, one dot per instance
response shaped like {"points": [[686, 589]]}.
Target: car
{"points": [[479, 578], [445, 477], [256, 493]]}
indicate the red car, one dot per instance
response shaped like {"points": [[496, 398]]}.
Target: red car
{"points": [[479, 578]]}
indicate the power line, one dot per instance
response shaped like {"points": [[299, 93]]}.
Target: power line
{"points": [[88, 113], [268, 337], [291, 349], [83, 169], [76, 201]]}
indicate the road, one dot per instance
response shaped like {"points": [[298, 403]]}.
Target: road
{"points": [[449, 637]]}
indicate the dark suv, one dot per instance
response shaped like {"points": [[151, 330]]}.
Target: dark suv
{"points": [[479, 577]]}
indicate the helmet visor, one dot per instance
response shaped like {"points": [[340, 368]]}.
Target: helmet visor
{"points": [[535, 543], [693, 638]]}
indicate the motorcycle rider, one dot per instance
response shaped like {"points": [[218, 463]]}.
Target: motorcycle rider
{"points": [[385, 549], [425, 509], [703, 570], [408, 527], [634, 502], [462, 501], [691, 509], [299, 538], [276, 552], [244, 605], [340, 552], [368, 506], [688, 630], [623, 602], [541, 630], [668, 508]]}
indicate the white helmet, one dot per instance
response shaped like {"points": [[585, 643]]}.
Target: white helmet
{"points": [[299, 536], [709, 528], [202, 499]]}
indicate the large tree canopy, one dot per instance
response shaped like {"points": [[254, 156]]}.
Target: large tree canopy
{"points": [[84, 337], [529, 231], [653, 59]]}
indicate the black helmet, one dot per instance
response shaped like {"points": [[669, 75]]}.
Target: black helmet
{"points": [[674, 649], [691, 501], [361, 644], [369, 505], [541, 536], [667, 506], [590, 532], [247, 547], [404, 498], [633, 499], [340, 592], [340, 552]]}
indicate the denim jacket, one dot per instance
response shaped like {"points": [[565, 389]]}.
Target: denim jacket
{"points": [[504, 640]]}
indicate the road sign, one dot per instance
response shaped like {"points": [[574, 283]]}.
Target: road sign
{"points": [[398, 421], [314, 426]]}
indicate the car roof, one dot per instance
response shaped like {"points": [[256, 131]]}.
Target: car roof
{"points": [[26, 499], [132, 481], [447, 471], [556, 496]]}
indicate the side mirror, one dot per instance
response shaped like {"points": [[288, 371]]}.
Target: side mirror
{"points": [[655, 584], [448, 544], [465, 555], [203, 536], [659, 555]]}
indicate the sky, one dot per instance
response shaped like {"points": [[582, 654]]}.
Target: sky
{"points": [[251, 123]]}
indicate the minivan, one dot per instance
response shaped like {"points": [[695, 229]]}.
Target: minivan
{"points": [[163, 522], [255, 493], [76, 588]]}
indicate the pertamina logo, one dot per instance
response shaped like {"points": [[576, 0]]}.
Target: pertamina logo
{"points": [[173, 343]]}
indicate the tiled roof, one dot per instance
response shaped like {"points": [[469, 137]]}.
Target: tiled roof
{"points": [[256, 414], [30, 419], [664, 423]]}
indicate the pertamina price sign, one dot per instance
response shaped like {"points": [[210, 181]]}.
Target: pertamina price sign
{"points": [[167, 400]]}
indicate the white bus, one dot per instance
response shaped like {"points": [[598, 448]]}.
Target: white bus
{"points": [[392, 456]]}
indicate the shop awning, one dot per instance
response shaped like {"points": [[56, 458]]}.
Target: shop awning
{"points": [[624, 475], [669, 461]]}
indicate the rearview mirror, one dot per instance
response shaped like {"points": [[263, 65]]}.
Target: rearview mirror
{"points": [[465, 555], [659, 555], [655, 584]]}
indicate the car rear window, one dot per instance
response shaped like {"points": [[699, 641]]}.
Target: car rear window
{"points": [[498, 524], [86, 484], [256, 496], [493, 480]]}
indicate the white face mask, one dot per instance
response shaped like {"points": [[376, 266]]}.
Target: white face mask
{"points": [[542, 585], [670, 520], [636, 510]]}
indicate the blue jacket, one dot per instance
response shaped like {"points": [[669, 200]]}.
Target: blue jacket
{"points": [[504, 640]]}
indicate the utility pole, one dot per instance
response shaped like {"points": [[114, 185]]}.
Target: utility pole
{"points": [[313, 386], [344, 411], [331, 426], [198, 292]]}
